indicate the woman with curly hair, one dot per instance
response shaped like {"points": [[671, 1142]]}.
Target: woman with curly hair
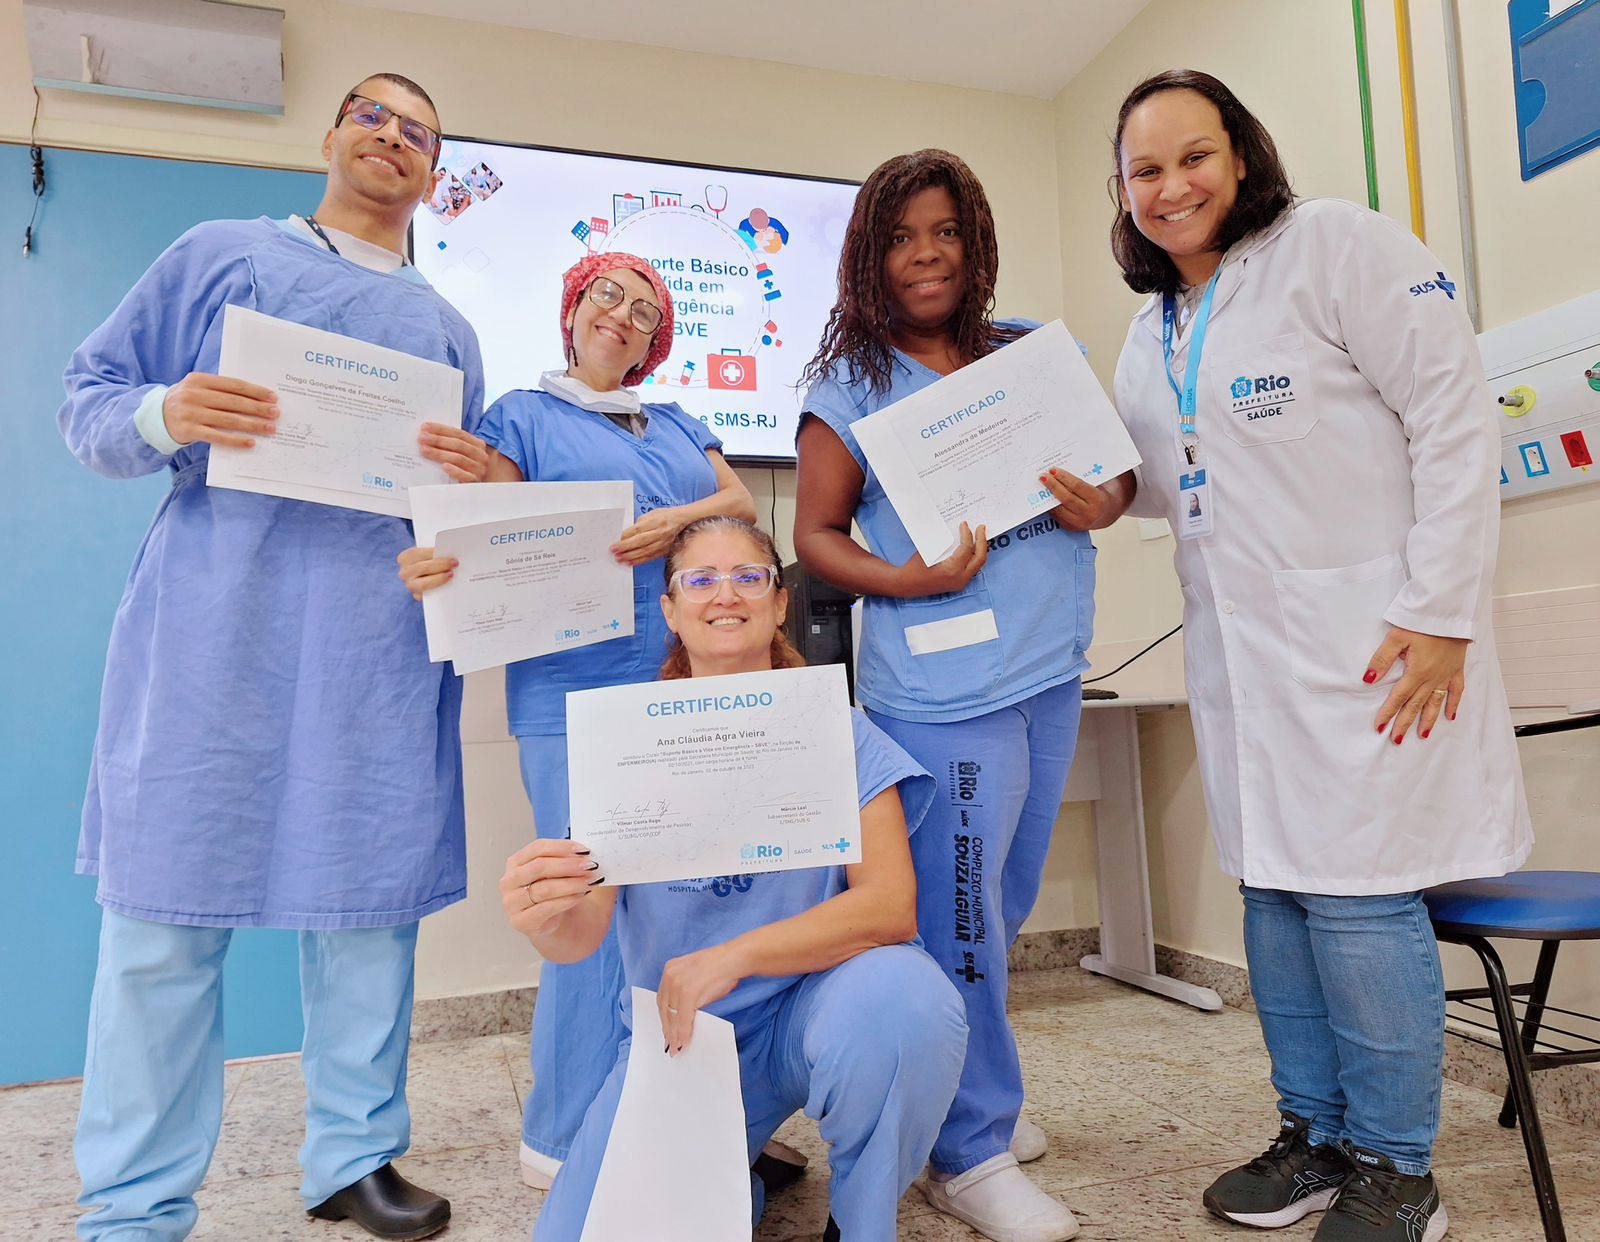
{"points": [[972, 664]]}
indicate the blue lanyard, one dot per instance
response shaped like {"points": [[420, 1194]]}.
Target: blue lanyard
{"points": [[1191, 378]]}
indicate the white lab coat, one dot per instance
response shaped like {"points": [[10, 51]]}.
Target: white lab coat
{"points": [[1362, 494]]}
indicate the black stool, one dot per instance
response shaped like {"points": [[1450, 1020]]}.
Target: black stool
{"points": [[1547, 906]]}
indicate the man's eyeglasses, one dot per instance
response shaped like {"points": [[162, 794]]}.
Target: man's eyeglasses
{"points": [[608, 295], [370, 114], [700, 585]]}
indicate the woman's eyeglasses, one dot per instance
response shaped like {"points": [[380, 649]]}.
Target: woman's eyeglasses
{"points": [[370, 114], [700, 585], [608, 295]]}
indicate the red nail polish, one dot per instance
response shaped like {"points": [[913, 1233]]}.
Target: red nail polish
{"points": [[1398, 738], [1371, 676], [1383, 726], [1425, 733]]}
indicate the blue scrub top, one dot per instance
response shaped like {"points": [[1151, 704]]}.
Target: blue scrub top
{"points": [[1039, 581], [275, 748], [658, 922], [553, 441]]}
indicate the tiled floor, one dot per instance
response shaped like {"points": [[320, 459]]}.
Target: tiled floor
{"points": [[1145, 1101]]}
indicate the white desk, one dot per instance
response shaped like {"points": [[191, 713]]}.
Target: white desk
{"points": [[1106, 772]]}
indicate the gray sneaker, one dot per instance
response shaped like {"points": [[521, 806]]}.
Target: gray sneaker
{"points": [[1380, 1204], [1285, 1183]]}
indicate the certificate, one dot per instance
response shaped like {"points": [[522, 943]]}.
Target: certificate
{"points": [[531, 586], [971, 447], [350, 414], [450, 506], [706, 776]]}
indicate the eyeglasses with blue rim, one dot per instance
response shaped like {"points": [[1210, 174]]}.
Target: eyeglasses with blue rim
{"points": [[700, 585], [370, 114]]}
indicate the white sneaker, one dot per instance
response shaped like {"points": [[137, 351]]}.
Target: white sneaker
{"points": [[999, 1201], [538, 1169], [1028, 1141]]}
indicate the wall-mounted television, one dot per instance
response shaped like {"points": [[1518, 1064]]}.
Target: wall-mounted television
{"points": [[751, 258]]}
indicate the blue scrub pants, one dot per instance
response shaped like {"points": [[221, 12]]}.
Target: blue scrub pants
{"points": [[1351, 1002], [152, 1081], [577, 1022], [871, 1049], [979, 856]]}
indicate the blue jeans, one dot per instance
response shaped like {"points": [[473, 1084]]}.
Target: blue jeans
{"points": [[577, 1024], [1351, 1001], [979, 857]]}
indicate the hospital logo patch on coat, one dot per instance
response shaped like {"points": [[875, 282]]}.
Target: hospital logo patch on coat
{"points": [[1440, 284], [1261, 396]]}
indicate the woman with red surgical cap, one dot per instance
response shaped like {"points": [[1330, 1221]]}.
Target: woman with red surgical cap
{"points": [[585, 423]]}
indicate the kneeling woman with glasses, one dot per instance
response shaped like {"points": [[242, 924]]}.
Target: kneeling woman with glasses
{"points": [[584, 423], [836, 1008]]}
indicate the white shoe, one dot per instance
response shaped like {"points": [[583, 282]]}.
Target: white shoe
{"points": [[1028, 1141], [999, 1201], [538, 1169]]}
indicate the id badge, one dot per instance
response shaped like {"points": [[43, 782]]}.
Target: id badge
{"points": [[1194, 504]]}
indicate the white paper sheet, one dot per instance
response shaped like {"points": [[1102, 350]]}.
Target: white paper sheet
{"points": [[971, 447], [350, 415], [451, 506], [530, 586], [676, 1167], [673, 780]]}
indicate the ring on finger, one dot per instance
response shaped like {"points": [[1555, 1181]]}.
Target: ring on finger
{"points": [[672, 1011], [527, 891], [1441, 693]]}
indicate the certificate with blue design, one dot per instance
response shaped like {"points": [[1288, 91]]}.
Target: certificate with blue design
{"points": [[709, 776], [531, 586], [536, 573], [971, 447], [349, 421]]}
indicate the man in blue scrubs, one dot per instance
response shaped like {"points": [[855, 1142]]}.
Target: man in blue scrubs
{"points": [[275, 749]]}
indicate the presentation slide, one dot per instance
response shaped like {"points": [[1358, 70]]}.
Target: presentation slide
{"points": [[751, 260]]}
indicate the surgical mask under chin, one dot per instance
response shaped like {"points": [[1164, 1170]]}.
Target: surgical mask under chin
{"points": [[570, 388]]}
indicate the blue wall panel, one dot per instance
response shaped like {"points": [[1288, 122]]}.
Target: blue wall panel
{"points": [[70, 536]]}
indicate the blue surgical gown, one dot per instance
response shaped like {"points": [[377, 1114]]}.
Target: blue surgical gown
{"points": [[274, 747]]}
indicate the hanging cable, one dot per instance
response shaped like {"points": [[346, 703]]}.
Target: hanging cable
{"points": [[36, 156], [1091, 680]]}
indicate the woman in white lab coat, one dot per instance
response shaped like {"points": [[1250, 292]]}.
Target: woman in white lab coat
{"points": [[1305, 370]]}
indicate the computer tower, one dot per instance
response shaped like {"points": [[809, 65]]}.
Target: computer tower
{"points": [[819, 623]]}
